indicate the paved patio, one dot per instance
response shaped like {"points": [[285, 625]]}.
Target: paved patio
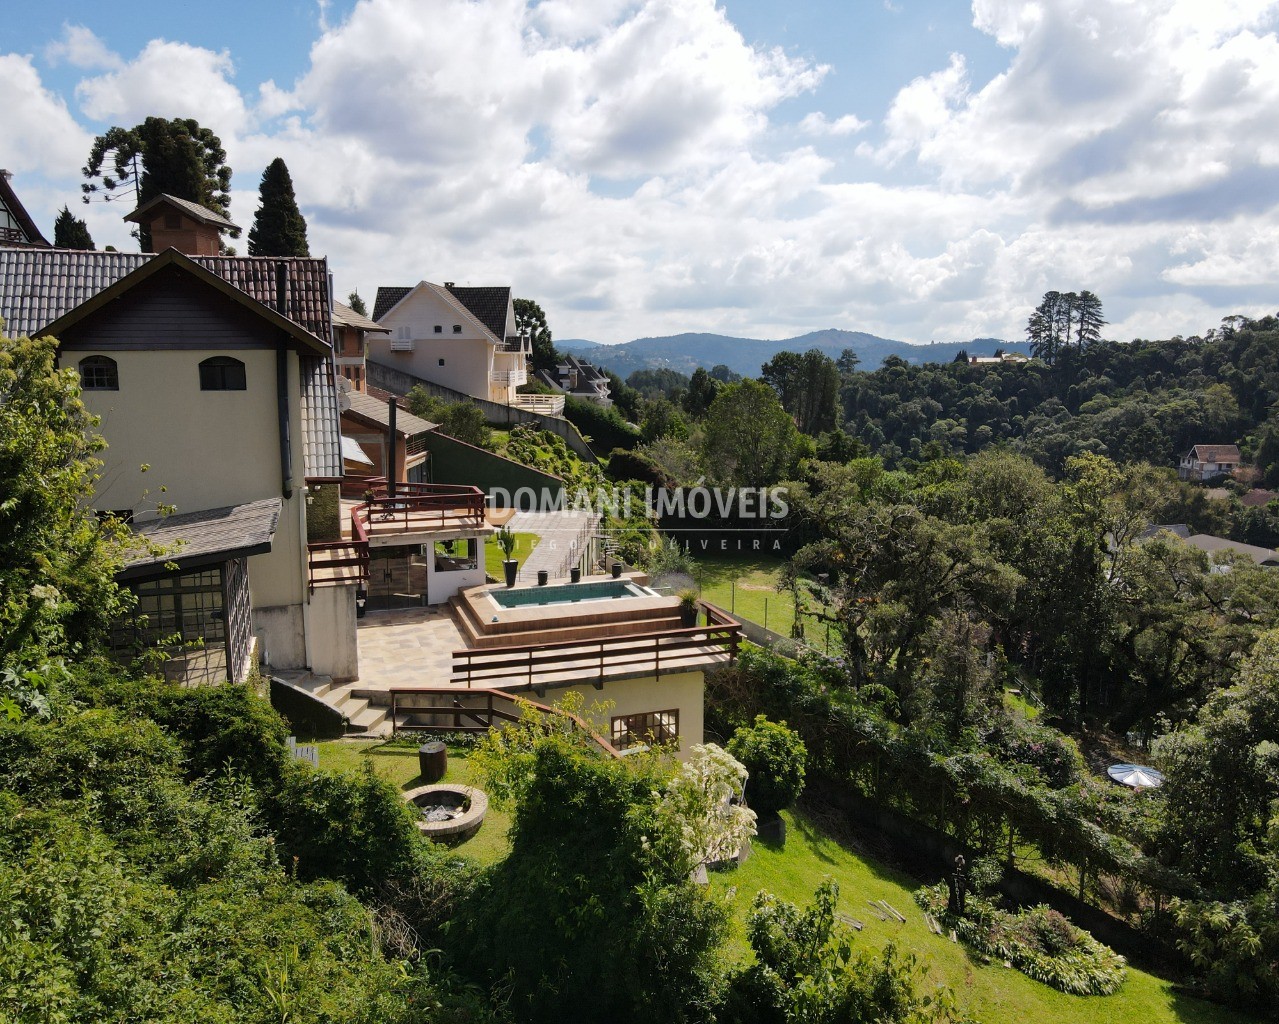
{"points": [[408, 647]]}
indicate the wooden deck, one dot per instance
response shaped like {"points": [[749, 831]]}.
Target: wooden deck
{"points": [[539, 665]]}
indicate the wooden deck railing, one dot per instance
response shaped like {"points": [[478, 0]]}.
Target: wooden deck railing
{"points": [[462, 713], [594, 660], [334, 563], [416, 507]]}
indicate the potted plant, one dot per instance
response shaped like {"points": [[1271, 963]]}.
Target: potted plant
{"points": [[506, 541], [688, 607], [617, 570]]}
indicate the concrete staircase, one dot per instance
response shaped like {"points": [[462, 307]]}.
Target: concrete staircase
{"points": [[367, 712]]}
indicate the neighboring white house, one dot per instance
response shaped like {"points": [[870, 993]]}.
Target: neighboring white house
{"points": [[1208, 461], [463, 339]]}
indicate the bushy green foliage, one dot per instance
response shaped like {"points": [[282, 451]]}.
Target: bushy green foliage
{"points": [[806, 972], [592, 917], [463, 421], [749, 440], [1038, 941], [775, 757], [602, 425], [57, 562]]}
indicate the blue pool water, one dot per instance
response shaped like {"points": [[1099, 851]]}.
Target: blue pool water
{"points": [[572, 593]]}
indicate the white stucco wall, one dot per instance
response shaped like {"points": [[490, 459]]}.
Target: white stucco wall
{"points": [[468, 356], [685, 691], [330, 623]]}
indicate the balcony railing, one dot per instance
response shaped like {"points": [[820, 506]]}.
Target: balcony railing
{"points": [[566, 661], [335, 563], [509, 378], [416, 508], [548, 405], [434, 709]]}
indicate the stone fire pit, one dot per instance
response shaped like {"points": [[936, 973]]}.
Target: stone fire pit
{"points": [[449, 813]]}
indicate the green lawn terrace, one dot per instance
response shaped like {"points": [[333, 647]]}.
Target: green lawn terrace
{"points": [[820, 845]]}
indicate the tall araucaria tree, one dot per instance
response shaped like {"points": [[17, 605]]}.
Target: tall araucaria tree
{"points": [[279, 229], [159, 156]]}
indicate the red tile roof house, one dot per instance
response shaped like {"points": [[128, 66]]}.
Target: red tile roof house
{"points": [[213, 380], [1209, 461]]}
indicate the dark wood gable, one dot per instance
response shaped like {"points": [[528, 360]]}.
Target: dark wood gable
{"points": [[171, 309]]}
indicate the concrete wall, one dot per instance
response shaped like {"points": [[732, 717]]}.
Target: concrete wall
{"points": [[281, 632], [683, 690], [330, 624], [390, 378]]}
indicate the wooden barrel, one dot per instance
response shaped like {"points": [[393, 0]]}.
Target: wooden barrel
{"points": [[433, 760]]}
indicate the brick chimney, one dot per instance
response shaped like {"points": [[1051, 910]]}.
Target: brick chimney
{"points": [[180, 224]]}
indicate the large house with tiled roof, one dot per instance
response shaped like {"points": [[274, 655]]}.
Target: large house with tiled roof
{"points": [[463, 339], [1209, 461], [213, 380]]}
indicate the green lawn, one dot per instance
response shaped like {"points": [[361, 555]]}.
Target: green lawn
{"points": [[524, 544], [399, 765], [746, 585], [992, 994]]}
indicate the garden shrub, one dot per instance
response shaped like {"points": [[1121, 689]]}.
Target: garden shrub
{"points": [[776, 757], [1038, 941], [602, 425], [354, 827], [805, 970], [1055, 758]]}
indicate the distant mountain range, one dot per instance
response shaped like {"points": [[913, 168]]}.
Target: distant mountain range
{"points": [[686, 352]]}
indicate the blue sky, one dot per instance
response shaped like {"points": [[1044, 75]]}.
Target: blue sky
{"points": [[917, 170]]}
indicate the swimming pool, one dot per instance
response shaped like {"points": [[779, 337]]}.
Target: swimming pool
{"points": [[571, 593]]}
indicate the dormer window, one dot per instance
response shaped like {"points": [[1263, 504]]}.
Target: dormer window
{"points": [[222, 373], [99, 373]]}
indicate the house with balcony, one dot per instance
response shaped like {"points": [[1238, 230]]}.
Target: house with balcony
{"points": [[212, 379], [16, 225], [1209, 461], [350, 345], [461, 339], [580, 379]]}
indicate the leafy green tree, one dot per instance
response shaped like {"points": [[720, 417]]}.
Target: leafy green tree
{"points": [[57, 561], [749, 439], [177, 157], [1222, 779], [723, 374], [775, 758], [357, 304], [702, 389], [662, 419], [461, 420], [634, 938], [808, 386], [279, 229], [531, 320], [71, 232]]}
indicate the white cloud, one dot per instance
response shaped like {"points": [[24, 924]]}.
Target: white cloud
{"points": [[817, 123], [80, 48], [622, 161], [168, 80]]}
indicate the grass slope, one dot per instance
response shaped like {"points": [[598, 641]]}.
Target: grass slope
{"points": [[992, 993]]}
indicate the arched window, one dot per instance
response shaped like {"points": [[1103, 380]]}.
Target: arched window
{"points": [[99, 373], [222, 373]]}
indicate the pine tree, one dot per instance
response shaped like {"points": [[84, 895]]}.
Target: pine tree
{"points": [[71, 232], [1088, 319], [278, 227], [357, 304]]}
